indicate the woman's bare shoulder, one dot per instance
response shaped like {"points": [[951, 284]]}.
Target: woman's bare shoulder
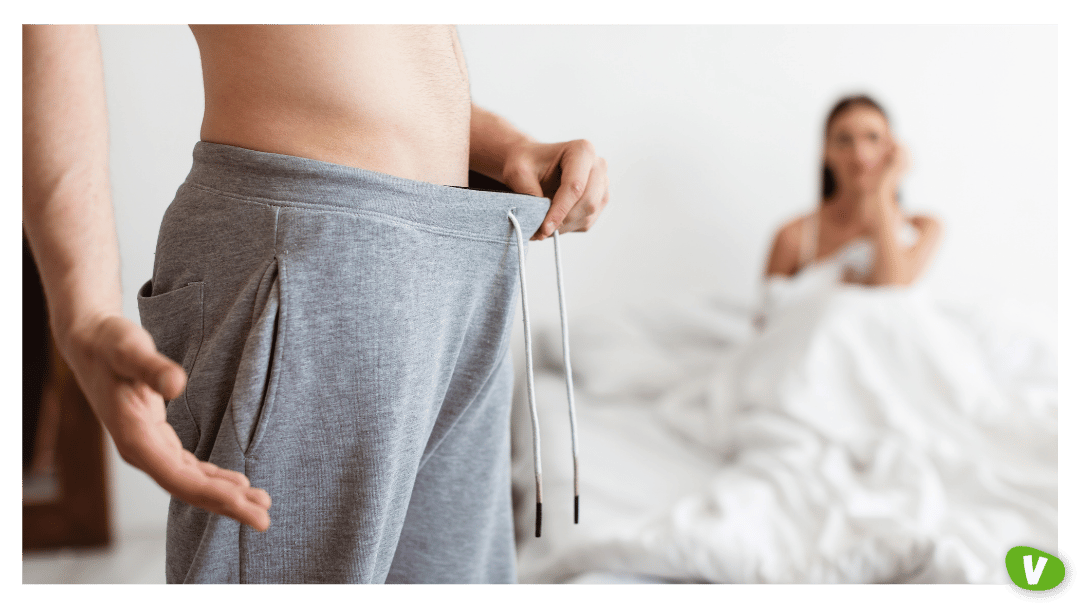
{"points": [[784, 258], [788, 236]]}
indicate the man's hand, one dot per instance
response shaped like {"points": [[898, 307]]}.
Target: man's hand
{"points": [[126, 381], [68, 219], [570, 173]]}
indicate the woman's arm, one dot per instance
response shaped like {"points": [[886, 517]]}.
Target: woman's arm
{"points": [[919, 255], [897, 265], [894, 264], [891, 265]]}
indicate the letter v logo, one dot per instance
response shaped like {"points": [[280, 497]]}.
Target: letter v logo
{"points": [[1033, 575], [1034, 570]]}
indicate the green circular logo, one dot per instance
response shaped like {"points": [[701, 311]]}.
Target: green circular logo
{"points": [[1034, 570]]}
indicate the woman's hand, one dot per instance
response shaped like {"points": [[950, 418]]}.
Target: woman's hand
{"points": [[878, 205], [126, 380], [896, 163]]}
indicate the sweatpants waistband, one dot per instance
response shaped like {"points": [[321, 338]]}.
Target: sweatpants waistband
{"points": [[304, 182]]}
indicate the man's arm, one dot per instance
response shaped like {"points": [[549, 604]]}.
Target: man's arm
{"points": [[570, 173], [67, 212], [68, 218]]}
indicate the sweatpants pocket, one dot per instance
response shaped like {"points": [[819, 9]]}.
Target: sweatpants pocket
{"points": [[252, 399], [175, 322]]}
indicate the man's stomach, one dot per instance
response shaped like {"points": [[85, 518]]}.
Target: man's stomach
{"points": [[393, 99]]}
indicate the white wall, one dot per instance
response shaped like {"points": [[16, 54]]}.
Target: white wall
{"points": [[713, 138]]}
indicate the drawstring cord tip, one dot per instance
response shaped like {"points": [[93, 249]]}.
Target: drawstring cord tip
{"points": [[575, 508], [538, 512]]}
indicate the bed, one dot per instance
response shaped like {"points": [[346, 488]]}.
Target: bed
{"points": [[863, 435]]}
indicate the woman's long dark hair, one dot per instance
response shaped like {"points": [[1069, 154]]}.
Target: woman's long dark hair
{"points": [[828, 180]]}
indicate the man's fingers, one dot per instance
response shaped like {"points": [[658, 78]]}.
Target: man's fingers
{"points": [[219, 493], [260, 497], [588, 209], [255, 495], [576, 165], [224, 497], [212, 470], [198, 483]]}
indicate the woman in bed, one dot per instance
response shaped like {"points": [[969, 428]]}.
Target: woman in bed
{"points": [[858, 228], [866, 434]]}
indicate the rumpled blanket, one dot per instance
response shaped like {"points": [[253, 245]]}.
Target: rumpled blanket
{"points": [[863, 435]]}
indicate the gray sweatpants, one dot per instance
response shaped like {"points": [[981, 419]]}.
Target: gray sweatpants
{"points": [[346, 335]]}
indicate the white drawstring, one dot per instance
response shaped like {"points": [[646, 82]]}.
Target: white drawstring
{"points": [[566, 369], [529, 370]]}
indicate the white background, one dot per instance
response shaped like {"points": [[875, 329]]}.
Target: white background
{"points": [[713, 139]]}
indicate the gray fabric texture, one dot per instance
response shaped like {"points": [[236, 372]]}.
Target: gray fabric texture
{"points": [[346, 335]]}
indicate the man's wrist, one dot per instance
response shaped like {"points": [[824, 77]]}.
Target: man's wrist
{"points": [[73, 331], [493, 143]]}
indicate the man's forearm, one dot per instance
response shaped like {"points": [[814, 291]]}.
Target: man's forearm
{"points": [[490, 138], [67, 208]]}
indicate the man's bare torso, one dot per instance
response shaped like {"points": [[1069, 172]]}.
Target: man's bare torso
{"points": [[393, 99]]}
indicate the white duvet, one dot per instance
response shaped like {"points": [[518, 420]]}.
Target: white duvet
{"points": [[865, 435]]}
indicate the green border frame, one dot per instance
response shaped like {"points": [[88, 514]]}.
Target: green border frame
{"points": [[487, 11]]}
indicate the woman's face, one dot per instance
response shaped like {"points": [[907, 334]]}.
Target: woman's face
{"points": [[855, 147]]}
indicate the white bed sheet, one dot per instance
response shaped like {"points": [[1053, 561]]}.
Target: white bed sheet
{"points": [[710, 453]]}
